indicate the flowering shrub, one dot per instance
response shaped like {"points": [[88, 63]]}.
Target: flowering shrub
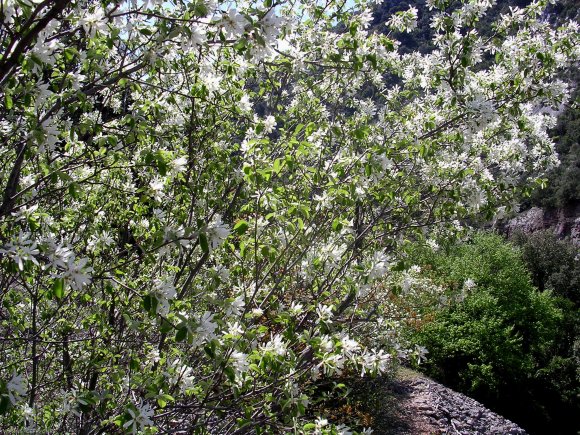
{"points": [[195, 196]]}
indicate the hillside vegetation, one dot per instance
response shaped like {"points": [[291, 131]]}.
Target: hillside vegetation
{"points": [[500, 338]]}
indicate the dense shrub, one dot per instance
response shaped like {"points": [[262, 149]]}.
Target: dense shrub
{"points": [[500, 341], [554, 264]]}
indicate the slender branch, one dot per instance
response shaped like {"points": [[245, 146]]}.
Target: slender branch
{"points": [[9, 63]]}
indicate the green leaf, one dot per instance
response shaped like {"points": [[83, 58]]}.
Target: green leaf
{"points": [[368, 170], [69, 54], [230, 373], [277, 165], [164, 399], [58, 288], [372, 58], [161, 165], [361, 132], [147, 302], [4, 404], [8, 101], [73, 190], [64, 176], [34, 225], [175, 32], [203, 243], [200, 9], [181, 334], [310, 128], [149, 157], [298, 129], [210, 349], [300, 224], [241, 227], [353, 28], [165, 326]]}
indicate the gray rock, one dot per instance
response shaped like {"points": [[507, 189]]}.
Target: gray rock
{"points": [[565, 222], [451, 412]]}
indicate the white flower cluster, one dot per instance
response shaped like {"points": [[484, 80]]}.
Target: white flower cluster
{"points": [[335, 353], [217, 232], [70, 268], [164, 291], [16, 388], [206, 328], [60, 258], [140, 417], [22, 250], [405, 21]]}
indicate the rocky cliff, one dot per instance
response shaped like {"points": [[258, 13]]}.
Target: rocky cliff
{"points": [[565, 222]]}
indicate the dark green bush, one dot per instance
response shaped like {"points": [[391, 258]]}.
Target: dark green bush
{"points": [[554, 264], [502, 342]]}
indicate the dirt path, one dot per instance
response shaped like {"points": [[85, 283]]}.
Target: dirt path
{"points": [[415, 405]]}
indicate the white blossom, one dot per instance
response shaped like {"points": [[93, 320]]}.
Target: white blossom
{"points": [[233, 23], [16, 387], [379, 265], [349, 346], [206, 328], [23, 250], [77, 273], [217, 231], [275, 345], [469, 284], [245, 104], [140, 417], [240, 362], [269, 124], [324, 313], [320, 423], [94, 22], [236, 307], [404, 21], [179, 164]]}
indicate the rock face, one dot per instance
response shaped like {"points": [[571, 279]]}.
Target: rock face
{"points": [[565, 222], [416, 405]]}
